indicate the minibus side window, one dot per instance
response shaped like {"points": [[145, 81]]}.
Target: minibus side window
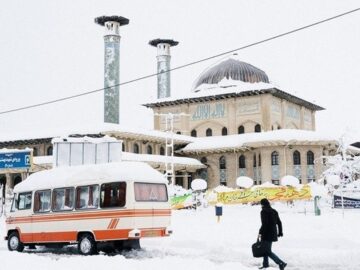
{"points": [[150, 192], [63, 199], [42, 201], [113, 195], [24, 201], [87, 197], [14, 203]]}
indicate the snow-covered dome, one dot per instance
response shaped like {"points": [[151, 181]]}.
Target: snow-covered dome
{"points": [[232, 69]]}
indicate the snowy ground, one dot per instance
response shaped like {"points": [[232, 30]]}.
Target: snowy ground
{"points": [[329, 241]]}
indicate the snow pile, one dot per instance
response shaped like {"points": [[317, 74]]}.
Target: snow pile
{"points": [[318, 189], [198, 184], [289, 180], [244, 182], [222, 189], [175, 190], [267, 184]]}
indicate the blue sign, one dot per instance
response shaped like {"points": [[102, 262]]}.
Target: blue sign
{"points": [[15, 160], [349, 203]]}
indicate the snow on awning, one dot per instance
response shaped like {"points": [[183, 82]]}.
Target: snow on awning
{"points": [[254, 140], [161, 160]]}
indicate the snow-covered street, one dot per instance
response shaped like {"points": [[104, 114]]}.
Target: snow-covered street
{"points": [[327, 242]]}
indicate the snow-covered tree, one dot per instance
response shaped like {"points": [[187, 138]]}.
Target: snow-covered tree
{"points": [[344, 165]]}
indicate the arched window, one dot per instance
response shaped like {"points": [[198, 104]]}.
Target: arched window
{"points": [[35, 151], [274, 158], [49, 151], [279, 127], [224, 131], [162, 151], [149, 149], [254, 161], [296, 158], [242, 163], [257, 128], [310, 158], [179, 132], [136, 148], [241, 130], [208, 132], [123, 147], [193, 133], [222, 163]]}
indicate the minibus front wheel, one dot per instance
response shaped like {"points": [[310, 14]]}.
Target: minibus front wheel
{"points": [[14, 243], [87, 244]]}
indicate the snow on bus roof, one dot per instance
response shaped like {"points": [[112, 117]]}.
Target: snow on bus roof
{"points": [[88, 174]]}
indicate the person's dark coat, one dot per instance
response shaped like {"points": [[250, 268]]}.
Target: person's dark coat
{"points": [[269, 220]]}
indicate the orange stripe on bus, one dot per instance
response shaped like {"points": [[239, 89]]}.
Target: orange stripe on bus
{"points": [[100, 235], [93, 215]]}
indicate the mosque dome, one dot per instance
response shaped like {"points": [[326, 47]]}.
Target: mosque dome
{"points": [[232, 69]]}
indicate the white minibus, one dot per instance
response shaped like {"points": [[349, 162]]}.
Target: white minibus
{"points": [[98, 207]]}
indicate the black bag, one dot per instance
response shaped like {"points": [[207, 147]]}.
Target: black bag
{"points": [[260, 249]]}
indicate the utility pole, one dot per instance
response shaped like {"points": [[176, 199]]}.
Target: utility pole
{"points": [[169, 145]]}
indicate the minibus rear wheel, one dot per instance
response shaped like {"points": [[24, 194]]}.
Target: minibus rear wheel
{"points": [[87, 244], [14, 243]]}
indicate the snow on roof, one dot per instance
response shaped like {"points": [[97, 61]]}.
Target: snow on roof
{"points": [[225, 86], [282, 137], [161, 159], [87, 174], [104, 128], [104, 139], [6, 150], [40, 160]]}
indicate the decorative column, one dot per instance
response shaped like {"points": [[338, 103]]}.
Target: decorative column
{"points": [[163, 65], [111, 65]]}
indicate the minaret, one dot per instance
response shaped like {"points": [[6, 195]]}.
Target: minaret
{"points": [[163, 65], [111, 65]]}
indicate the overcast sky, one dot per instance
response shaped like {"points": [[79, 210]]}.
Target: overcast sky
{"points": [[52, 49]]}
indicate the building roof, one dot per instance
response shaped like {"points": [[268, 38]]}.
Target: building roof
{"points": [[38, 136], [232, 69], [231, 92], [243, 142]]}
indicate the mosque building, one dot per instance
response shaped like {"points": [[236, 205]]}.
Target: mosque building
{"points": [[245, 126]]}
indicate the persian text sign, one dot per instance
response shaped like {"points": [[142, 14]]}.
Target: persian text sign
{"points": [[273, 194], [208, 111], [349, 203], [15, 160]]}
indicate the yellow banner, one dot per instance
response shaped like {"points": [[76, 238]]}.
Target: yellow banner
{"points": [[272, 194]]}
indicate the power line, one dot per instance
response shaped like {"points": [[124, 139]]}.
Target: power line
{"points": [[185, 65]]}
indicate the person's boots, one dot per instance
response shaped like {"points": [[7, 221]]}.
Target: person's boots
{"points": [[282, 266]]}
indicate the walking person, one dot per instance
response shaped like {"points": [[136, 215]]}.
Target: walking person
{"points": [[268, 233]]}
